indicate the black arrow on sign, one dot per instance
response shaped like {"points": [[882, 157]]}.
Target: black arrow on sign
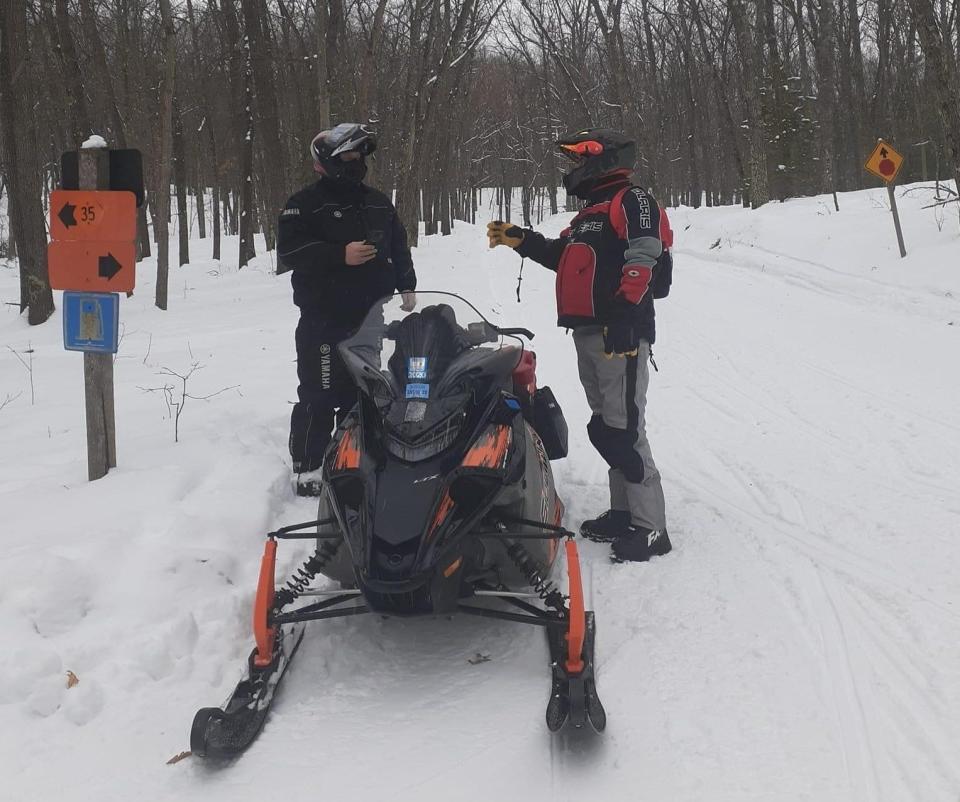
{"points": [[66, 215], [883, 153], [108, 267]]}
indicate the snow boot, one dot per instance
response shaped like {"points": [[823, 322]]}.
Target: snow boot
{"points": [[309, 483], [606, 527], [639, 545]]}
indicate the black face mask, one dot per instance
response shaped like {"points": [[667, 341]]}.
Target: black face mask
{"points": [[349, 173]]}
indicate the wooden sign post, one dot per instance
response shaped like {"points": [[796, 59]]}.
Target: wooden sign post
{"points": [[885, 162], [98, 368], [92, 257]]}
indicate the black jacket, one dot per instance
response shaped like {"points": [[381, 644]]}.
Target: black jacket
{"points": [[316, 225], [605, 259]]}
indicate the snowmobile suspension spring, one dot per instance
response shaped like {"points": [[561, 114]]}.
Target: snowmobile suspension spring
{"points": [[542, 586], [304, 575]]}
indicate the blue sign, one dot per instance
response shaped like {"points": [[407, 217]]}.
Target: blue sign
{"points": [[418, 391], [91, 321]]}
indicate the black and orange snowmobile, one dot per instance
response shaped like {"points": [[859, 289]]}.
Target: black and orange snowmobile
{"points": [[438, 498]]}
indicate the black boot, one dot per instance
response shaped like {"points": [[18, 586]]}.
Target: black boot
{"points": [[606, 527], [639, 545]]}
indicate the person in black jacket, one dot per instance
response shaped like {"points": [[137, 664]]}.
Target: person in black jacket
{"points": [[347, 249], [605, 262]]}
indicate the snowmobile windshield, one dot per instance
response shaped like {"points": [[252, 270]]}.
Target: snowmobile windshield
{"points": [[423, 368]]}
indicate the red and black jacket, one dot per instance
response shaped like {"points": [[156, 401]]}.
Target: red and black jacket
{"points": [[605, 259]]}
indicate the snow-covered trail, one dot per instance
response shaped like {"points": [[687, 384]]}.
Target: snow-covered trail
{"points": [[799, 643]]}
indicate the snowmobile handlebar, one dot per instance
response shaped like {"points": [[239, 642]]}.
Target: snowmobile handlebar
{"points": [[515, 331], [475, 333]]}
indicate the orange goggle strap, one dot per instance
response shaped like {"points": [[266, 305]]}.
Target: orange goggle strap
{"points": [[589, 148]]}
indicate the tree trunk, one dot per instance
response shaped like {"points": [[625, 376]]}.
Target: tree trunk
{"points": [[323, 75], [826, 98], [17, 99], [247, 246], [180, 182], [943, 64], [208, 125], [72, 77], [274, 180], [161, 199], [759, 192]]}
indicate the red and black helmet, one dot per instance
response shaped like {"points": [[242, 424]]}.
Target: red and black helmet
{"points": [[597, 154]]}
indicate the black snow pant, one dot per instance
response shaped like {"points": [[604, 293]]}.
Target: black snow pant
{"points": [[326, 391]]}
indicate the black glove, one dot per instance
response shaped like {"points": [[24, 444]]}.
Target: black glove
{"points": [[621, 335]]}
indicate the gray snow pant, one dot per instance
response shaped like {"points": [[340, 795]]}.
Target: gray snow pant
{"points": [[617, 393]]}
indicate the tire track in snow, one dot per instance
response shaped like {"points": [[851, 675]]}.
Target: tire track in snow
{"points": [[825, 589], [838, 285], [859, 758]]}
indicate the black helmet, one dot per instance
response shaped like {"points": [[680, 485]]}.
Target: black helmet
{"points": [[597, 153], [327, 146]]}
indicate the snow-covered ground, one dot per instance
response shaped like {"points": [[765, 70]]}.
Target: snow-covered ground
{"points": [[802, 641]]}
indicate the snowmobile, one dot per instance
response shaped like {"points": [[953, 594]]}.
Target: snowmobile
{"points": [[438, 498]]}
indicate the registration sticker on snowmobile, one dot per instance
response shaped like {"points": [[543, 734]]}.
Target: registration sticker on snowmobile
{"points": [[417, 367], [418, 391]]}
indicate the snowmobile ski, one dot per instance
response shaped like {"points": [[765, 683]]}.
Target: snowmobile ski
{"points": [[225, 732], [573, 695]]}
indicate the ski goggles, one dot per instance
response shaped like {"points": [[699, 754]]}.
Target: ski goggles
{"points": [[580, 150]]}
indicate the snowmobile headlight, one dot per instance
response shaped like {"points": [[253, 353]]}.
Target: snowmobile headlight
{"points": [[427, 444]]}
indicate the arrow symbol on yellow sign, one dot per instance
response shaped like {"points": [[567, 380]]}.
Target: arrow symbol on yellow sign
{"points": [[66, 215]]}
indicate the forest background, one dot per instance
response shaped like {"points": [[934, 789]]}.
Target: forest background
{"points": [[730, 101]]}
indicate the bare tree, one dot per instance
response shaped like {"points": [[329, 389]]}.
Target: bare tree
{"points": [[21, 162]]}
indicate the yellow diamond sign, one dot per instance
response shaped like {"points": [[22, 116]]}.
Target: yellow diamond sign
{"points": [[884, 162]]}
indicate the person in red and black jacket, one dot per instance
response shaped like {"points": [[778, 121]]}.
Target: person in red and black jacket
{"points": [[605, 262]]}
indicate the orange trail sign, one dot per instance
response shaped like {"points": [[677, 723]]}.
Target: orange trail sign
{"points": [[86, 215], [92, 266]]}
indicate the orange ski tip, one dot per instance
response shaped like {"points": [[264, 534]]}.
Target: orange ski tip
{"points": [[577, 624], [264, 634], [348, 452], [490, 450]]}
